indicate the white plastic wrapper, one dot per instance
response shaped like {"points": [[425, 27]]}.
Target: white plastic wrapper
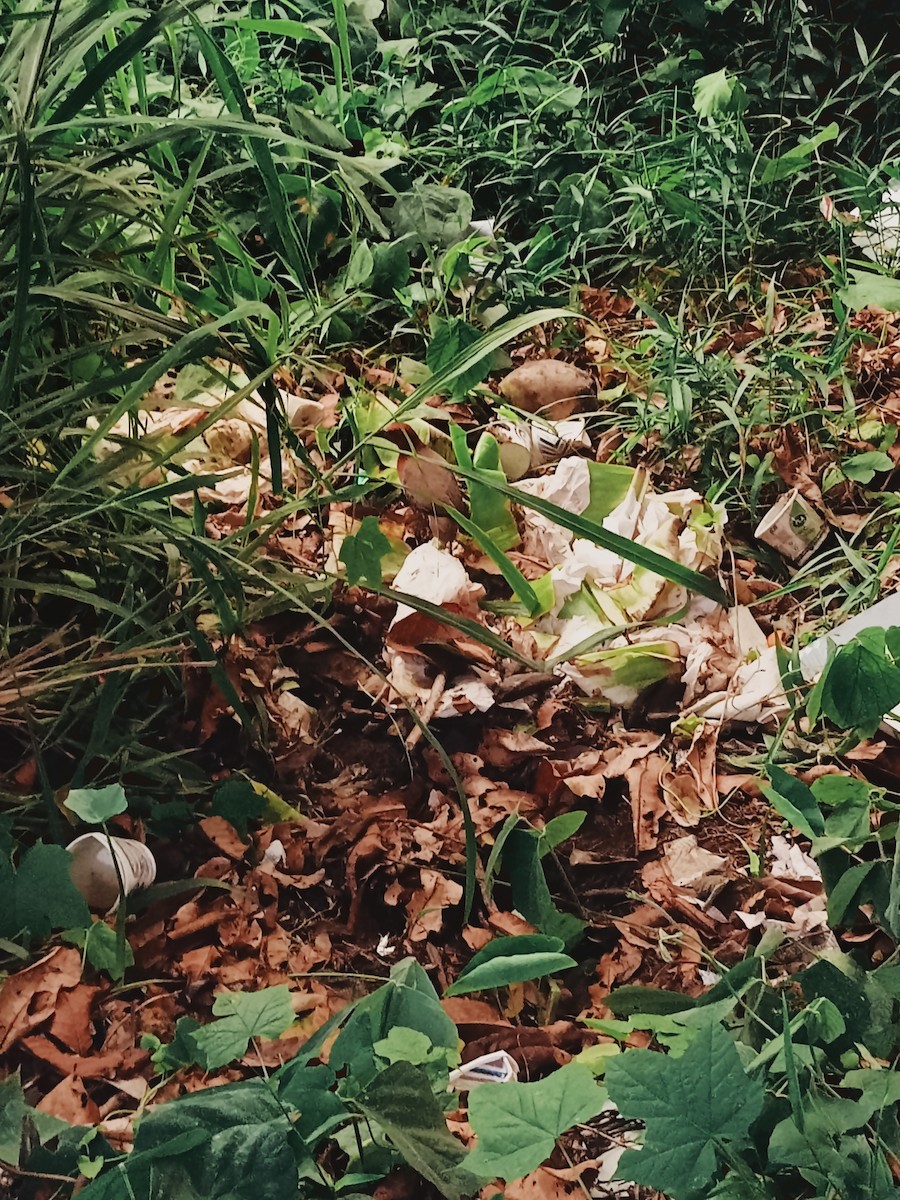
{"points": [[496, 1067]]}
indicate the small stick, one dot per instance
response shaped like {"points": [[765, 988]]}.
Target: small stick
{"points": [[434, 699]]}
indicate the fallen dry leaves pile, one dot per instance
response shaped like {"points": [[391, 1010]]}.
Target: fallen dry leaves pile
{"points": [[370, 864]]}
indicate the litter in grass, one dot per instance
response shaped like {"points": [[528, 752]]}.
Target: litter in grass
{"points": [[94, 872]]}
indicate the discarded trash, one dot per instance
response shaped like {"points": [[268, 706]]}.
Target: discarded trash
{"points": [[275, 853], [94, 872], [496, 1067], [793, 527], [525, 446], [756, 693], [879, 236]]}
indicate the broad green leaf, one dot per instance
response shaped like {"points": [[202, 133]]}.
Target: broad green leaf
{"points": [[404, 1045], [306, 1090], [238, 802], [236, 1143], [407, 1000], [609, 484], [40, 896], [12, 1115], [797, 158], [362, 553], [560, 829], [713, 93], [634, 998], [864, 467], [101, 948], [242, 1016], [490, 510], [433, 215], [690, 1105], [847, 823], [401, 1101], [869, 289], [511, 960], [812, 1149], [862, 683], [517, 1124], [452, 337], [96, 805], [845, 891], [823, 980], [531, 895], [794, 801], [879, 1088]]}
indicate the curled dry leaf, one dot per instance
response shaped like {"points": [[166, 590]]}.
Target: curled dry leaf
{"points": [[428, 481], [689, 784], [427, 904], [547, 386]]}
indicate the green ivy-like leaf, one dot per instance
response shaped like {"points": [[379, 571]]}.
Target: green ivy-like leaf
{"points": [[690, 1105], [362, 553], [243, 1015], [238, 802], [101, 948], [518, 1123], [96, 805]]}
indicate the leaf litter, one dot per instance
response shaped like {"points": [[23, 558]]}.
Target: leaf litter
{"points": [[613, 696]]}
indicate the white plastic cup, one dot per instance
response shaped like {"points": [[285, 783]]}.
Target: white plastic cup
{"points": [[94, 872]]}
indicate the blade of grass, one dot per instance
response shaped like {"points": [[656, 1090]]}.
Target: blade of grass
{"points": [[508, 569], [631, 551]]}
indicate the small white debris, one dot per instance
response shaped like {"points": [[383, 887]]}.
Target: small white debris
{"points": [[496, 1067], [275, 853], [384, 949]]}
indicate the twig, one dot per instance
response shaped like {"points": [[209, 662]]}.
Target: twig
{"points": [[434, 699]]}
